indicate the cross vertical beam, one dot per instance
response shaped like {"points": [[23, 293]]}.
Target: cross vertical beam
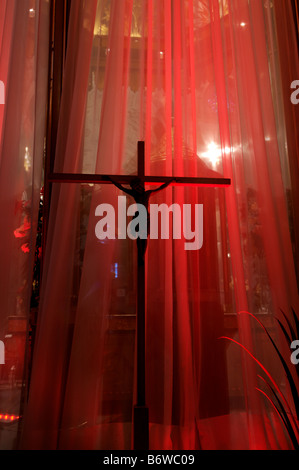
{"points": [[141, 159], [141, 413]]}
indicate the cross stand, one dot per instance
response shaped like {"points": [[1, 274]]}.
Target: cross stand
{"points": [[141, 412]]}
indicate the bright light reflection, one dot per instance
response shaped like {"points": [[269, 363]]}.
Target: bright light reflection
{"points": [[27, 162], [214, 153]]}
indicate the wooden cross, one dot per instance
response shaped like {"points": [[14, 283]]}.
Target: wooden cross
{"points": [[141, 412]]}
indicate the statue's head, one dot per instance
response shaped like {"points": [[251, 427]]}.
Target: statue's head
{"points": [[137, 185]]}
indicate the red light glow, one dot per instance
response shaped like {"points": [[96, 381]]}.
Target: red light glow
{"points": [[8, 418]]}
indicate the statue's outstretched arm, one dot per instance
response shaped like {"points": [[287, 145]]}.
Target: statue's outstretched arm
{"points": [[163, 186], [119, 186]]}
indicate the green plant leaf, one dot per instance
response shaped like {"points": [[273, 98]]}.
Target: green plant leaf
{"points": [[284, 415], [265, 370], [293, 334], [285, 366], [287, 336], [280, 414], [296, 320]]}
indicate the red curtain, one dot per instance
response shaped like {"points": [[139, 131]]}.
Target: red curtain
{"points": [[201, 83], [24, 47]]}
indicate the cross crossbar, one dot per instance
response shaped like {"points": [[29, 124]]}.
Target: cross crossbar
{"points": [[127, 179]]}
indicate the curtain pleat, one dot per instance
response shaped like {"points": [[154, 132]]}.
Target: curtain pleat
{"points": [[24, 40]]}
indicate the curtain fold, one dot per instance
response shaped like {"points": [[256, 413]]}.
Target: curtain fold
{"points": [[193, 79], [24, 32]]}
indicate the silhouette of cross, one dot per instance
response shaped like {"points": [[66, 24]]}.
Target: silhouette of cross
{"points": [[141, 414]]}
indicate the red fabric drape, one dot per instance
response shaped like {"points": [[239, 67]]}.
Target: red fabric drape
{"points": [[24, 41], [192, 79]]}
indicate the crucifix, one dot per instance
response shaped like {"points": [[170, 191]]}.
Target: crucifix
{"points": [[141, 196]]}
